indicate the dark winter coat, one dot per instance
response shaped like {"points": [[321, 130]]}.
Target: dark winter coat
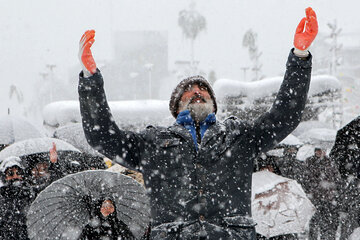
{"points": [[100, 227], [292, 168], [110, 228], [351, 207], [321, 178], [14, 202], [346, 150], [206, 191]]}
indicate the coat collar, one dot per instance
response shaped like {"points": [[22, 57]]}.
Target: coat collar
{"points": [[182, 132], [214, 130]]}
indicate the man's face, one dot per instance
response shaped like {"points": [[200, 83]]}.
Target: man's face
{"points": [[291, 151], [197, 100], [195, 94], [13, 174], [40, 170], [107, 208], [319, 153]]}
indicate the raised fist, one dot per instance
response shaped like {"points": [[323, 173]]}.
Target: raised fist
{"points": [[85, 55], [306, 31]]}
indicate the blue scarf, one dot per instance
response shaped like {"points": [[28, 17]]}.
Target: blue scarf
{"points": [[184, 118]]}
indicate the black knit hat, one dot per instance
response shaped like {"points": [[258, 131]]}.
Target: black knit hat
{"points": [[180, 88]]}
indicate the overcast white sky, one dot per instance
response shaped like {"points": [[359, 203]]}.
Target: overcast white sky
{"points": [[38, 32]]}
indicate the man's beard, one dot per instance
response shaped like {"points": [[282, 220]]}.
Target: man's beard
{"points": [[198, 111]]}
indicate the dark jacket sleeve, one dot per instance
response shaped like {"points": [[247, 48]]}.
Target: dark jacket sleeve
{"points": [[100, 129], [285, 113]]}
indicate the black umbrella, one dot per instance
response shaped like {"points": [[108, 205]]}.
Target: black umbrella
{"points": [[74, 134], [35, 146], [36, 150], [61, 211], [346, 150]]}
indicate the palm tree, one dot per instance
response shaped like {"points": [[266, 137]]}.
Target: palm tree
{"points": [[249, 41], [191, 23]]}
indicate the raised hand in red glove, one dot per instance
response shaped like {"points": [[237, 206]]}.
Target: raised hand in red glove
{"points": [[306, 31], [53, 154], [86, 59]]}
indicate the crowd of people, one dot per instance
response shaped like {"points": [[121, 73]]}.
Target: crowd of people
{"points": [[334, 192], [22, 181], [24, 178], [334, 195], [186, 166]]}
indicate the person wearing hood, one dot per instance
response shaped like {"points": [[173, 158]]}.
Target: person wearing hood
{"points": [[43, 172], [104, 223], [321, 178], [198, 171], [290, 166], [15, 199]]}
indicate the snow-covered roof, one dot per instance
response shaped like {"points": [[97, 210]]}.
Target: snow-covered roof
{"points": [[132, 112], [266, 87]]}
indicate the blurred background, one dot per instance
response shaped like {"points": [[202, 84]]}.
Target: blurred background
{"points": [[145, 47]]}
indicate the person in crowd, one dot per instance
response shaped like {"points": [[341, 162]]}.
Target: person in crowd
{"points": [[104, 223], [346, 153], [15, 199], [270, 163], [43, 172], [321, 185], [267, 162], [187, 166], [290, 166]]}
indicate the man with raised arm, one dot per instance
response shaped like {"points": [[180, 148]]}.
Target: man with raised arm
{"points": [[198, 171]]}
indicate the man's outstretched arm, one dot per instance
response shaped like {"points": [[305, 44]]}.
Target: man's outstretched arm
{"points": [[286, 112], [100, 129]]}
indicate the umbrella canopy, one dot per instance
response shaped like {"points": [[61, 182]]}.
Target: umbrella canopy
{"points": [[318, 136], [306, 125], [279, 205], [346, 150], [74, 134], [291, 140], [14, 129], [60, 211], [35, 146], [305, 152]]}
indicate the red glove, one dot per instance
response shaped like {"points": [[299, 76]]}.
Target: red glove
{"points": [[53, 154], [306, 31], [85, 55]]}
